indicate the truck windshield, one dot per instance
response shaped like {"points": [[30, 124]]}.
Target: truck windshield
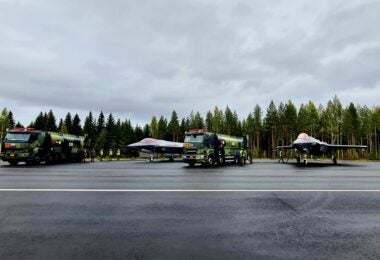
{"points": [[13, 137], [194, 138]]}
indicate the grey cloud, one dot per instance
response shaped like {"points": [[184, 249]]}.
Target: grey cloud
{"points": [[144, 58]]}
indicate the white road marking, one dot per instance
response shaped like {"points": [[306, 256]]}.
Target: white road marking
{"points": [[173, 190]]}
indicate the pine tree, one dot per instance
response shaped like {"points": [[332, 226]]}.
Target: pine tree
{"points": [[69, 123], [162, 128], [218, 121], [290, 122], [110, 122], [101, 123], [271, 123], [139, 133], [229, 121], [146, 131], [11, 120], [154, 127], [50, 122], [4, 122], [110, 130], [351, 124], [208, 120], [173, 127], [62, 127], [19, 125], [76, 127], [282, 126], [312, 119], [40, 122], [198, 121], [365, 115], [258, 125], [89, 128]]}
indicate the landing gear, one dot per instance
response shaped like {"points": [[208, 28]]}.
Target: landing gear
{"points": [[305, 159], [298, 159]]}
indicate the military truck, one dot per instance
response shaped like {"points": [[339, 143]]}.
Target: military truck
{"points": [[206, 148], [36, 146]]}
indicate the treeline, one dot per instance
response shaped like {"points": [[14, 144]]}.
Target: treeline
{"points": [[277, 125]]}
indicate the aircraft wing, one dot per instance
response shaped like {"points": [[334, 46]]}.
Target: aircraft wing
{"points": [[284, 147], [345, 147]]}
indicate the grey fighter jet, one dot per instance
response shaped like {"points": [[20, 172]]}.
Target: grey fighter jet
{"points": [[306, 145], [153, 148]]}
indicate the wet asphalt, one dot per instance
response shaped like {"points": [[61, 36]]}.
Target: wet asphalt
{"points": [[160, 210]]}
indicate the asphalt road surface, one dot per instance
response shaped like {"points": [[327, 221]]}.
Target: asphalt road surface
{"points": [[140, 210]]}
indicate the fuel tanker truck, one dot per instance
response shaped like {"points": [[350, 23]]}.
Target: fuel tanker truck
{"points": [[36, 146], [206, 148]]}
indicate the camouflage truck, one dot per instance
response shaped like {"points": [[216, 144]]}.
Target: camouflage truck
{"points": [[36, 146], [211, 149]]}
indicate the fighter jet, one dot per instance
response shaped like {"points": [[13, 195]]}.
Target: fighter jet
{"points": [[306, 145], [152, 148]]}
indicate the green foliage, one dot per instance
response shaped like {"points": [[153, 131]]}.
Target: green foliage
{"points": [[162, 128], [90, 129], [173, 127], [5, 123], [50, 123], [76, 128], [68, 123]]}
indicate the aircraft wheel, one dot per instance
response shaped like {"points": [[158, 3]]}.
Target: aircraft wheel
{"points": [[298, 159]]}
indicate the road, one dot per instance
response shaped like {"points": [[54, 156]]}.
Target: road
{"points": [[140, 210]]}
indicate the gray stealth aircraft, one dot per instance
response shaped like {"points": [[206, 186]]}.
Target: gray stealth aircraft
{"points": [[306, 145]]}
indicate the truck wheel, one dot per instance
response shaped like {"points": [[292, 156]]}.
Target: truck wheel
{"points": [[13, 163], [211, 161], [191, 164], [37, 160]]}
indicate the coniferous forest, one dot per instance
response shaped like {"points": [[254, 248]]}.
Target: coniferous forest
{"points": [[278, 124]]}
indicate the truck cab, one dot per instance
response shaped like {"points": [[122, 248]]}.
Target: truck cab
{"points": [[23, 145], [206, 148]]}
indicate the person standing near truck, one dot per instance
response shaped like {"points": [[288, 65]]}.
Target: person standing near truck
{"points": [[92, 155], [110, 153], [101, 153]]}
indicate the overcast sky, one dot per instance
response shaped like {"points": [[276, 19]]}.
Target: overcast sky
{"points": [[142, 58]]}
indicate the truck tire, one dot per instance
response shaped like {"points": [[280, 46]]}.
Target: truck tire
{"points": [[36, 160], [191, 164], [13, 163], [211, 161], [240, 160], [50, 159]]}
